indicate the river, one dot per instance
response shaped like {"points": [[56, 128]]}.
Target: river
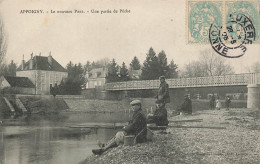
{"points": [[52, 141]]}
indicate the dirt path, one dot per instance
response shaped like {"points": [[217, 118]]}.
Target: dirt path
{"points": [[217, 136]]}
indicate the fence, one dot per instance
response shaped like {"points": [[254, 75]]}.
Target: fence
{"points": [[226, 80]]}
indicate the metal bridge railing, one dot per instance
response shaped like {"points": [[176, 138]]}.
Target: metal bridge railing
{"points": [[225, 80]]}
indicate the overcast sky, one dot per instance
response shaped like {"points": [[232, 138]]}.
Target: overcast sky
{"points": [[80, 37]]}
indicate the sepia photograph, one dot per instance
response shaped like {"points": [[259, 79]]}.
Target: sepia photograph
{"points": [[129, 82]]}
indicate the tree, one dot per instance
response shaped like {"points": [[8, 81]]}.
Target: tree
{"points": [[72, 84], [3, 44], [9, 70], [255, 67], [150, 70], [210, 64], [124, 76], [113, 72], [194, 69], [135, 64], [163, 64], [173, 73]]}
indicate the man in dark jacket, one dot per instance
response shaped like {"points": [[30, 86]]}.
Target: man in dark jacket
{"points": [[137, 127], [163, 92], [160, 115], [186, 107], [138, 123]]}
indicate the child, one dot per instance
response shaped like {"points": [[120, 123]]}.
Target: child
{"points": [[218, 104]]}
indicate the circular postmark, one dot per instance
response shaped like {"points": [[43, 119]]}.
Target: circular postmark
{"points": [[230, 40]]}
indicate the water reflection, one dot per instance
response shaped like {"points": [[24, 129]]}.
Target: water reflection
{"points": [[52, 142]]}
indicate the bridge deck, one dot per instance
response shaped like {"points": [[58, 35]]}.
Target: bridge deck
{"points": [[227, 80]]}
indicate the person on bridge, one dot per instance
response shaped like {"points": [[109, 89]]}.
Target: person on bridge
{"points": [[137, 126], [160, 115], [186, 106], [163, 92]]}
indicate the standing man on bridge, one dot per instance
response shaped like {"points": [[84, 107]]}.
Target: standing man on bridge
{"points": [[163, 92]]}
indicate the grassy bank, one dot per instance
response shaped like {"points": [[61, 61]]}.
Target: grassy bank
{"points": [[217, 136], [92, 105], [43, 105]]}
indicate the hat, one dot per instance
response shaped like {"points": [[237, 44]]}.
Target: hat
{"points": [[162, 77], [135, 102]]}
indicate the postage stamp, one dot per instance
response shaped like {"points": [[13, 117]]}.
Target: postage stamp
{"points": [[248, 8], [230, 40], [200, 15]]}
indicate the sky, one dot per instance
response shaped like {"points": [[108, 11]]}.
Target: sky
{"points": [[82, 37]]}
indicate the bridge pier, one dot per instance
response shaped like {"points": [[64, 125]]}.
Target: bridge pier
{"points": [[253, 97]]}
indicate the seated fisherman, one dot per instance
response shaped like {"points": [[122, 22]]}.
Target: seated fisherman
{"points": [[137, 126], [186, 107], [160, 115]]}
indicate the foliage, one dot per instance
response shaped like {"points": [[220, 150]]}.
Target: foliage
{"points": [[113, 72], [150, 66], [210, 64], [156, 66], [72, 85], [255, 67], [3, 44], [173, 73], [96, 64], [135, 64], [124, 76], [9, 70]]}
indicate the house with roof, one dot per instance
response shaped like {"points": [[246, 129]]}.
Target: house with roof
{"points": [[43, 72], [96, 77], [19, 84], [135, 74]]}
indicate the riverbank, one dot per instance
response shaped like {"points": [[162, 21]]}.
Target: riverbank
{"points": [[217, 136], [148, 105]]}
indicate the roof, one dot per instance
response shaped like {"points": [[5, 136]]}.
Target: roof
{"points": [[135, 74], [41, 63], [97, 73], [19, 82]]}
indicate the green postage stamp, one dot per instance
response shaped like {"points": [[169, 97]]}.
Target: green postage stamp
{"points": [[200, 15]]}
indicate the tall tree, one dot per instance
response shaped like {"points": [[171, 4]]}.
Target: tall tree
{"points": [[3, 44], [173, 73], [72, 85], [9, 70], [150, 70], [124, 76], [210, 64], [135, 64], [113, 72], [255, 67], [163, 64]]}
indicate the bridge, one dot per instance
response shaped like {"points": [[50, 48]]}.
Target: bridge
{"points": [[226, 80], [251, 80]]}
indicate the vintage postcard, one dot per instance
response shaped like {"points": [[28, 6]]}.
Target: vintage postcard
{"points": [[120, 81]]}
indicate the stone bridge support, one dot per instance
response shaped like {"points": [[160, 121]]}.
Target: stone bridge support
{"points": [[253, 98]]}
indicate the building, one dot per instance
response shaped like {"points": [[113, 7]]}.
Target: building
{"points": [[21, 85], [96, 77], [135, 74], [43, 72]]}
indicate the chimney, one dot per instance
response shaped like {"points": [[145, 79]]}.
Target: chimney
{"points": [[50, 59], [31, 62], [23, 63]]}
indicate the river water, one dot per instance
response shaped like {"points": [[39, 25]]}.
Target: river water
{"points": [[52, 141]]}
